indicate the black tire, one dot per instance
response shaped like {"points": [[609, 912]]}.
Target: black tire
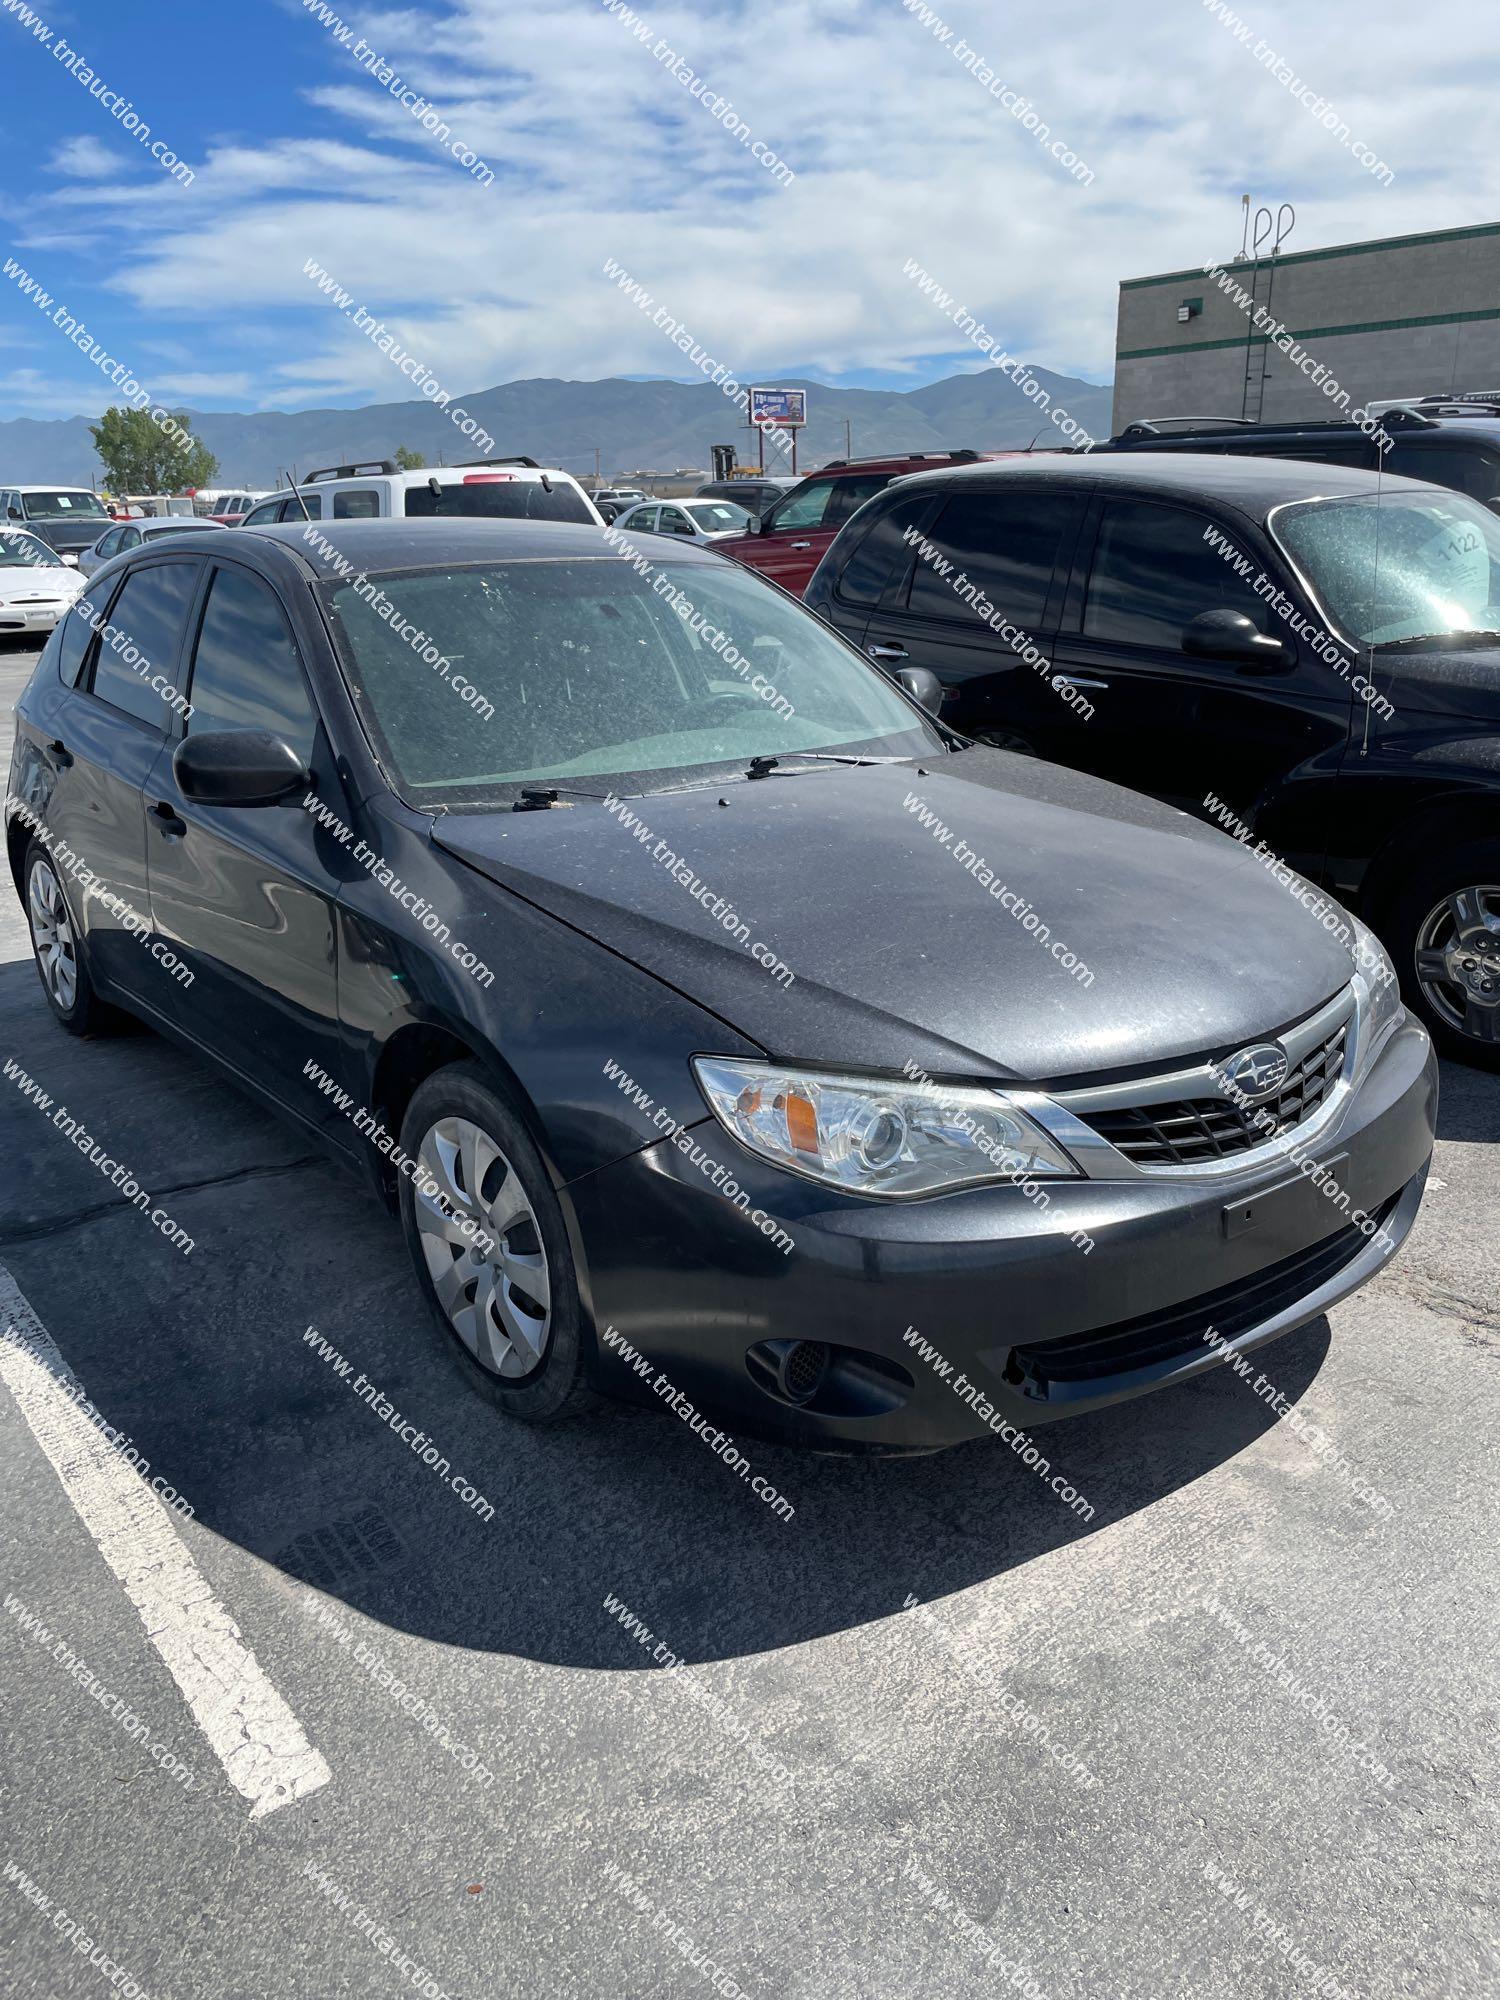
{"points": [[86, 1014], [555, 1387], [1469, 864]]}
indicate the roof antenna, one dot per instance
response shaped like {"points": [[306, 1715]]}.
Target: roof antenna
{"points": [[301, 501]]}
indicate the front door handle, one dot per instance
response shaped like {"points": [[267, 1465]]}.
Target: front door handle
{"points": [[60, 754], [887, 652], [801, 545], [169, 821], [1076, 681]]}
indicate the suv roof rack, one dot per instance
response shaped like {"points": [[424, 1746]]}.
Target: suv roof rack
{"points": [[351, 471], [1153, 426], [460, 464], [1459, 406], [963, 454]]}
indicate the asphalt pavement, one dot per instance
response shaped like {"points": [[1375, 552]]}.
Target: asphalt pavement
{"points": [[932, 1735]]}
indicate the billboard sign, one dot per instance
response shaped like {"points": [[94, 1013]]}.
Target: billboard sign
{"points": [[785, 409]]}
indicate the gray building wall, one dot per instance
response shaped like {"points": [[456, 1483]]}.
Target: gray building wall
{"points": [[1406, 316]]}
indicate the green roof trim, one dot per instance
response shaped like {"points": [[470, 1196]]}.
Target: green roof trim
{"points": [[1317, 256], [1308, 333]]}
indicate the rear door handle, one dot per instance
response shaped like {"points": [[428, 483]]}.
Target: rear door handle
{"points": [[1076, 681], [60, 754], [801, 545], [170, 822], [887, 652]]}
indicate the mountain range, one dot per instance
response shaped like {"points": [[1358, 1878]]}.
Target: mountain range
{"points": [[633, 426]]}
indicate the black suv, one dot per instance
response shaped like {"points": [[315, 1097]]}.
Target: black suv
{"points": [[1453, 441], [1304, 654]]}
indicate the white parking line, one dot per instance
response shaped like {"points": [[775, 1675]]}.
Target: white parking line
{"points": [[249, 1728]]}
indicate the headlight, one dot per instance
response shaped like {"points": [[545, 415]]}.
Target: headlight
{"points": [[876, 1137], [1379, 991]]}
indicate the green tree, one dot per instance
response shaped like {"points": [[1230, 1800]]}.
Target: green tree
{"points": [[409, 461], [139, 456]]}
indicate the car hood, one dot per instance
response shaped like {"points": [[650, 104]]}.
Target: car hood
{"points": [[1464, 682], [898, 949], [69, 534], [38, 580]]}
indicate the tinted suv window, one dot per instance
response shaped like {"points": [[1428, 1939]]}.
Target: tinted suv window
{"points": [[883, 553], [502, 499], [359, 504], [1006, 543], [1467, 469], [1153, 572], [147, 620], [246, 673]]}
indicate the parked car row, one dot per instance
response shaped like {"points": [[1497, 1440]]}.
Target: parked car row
{"points": [[852, 1154]]}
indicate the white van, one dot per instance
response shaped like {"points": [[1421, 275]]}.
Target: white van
{"points": [[506, 489]]}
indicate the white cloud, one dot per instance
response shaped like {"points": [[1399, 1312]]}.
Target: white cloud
{"points": [[84, 158]]}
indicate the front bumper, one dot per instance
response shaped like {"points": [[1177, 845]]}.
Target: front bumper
{"points": [[33, 617], [999, 1289]]}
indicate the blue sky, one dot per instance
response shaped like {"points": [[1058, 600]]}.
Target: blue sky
{"points": [[598, 150]]}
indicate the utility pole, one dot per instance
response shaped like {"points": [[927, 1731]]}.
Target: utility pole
{"points": [[598, 476], [848, 445]]}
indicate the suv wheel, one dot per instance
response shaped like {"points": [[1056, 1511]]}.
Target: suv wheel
{"points": [[1444, 933], [58, 952], [486, 1234]]}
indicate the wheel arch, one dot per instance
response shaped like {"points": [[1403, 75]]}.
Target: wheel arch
{"points": [[1439, 823], [416, 1050]]}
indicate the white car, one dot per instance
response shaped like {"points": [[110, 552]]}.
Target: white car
{"points": [[130, 534], [501, 488], [36, 586]]}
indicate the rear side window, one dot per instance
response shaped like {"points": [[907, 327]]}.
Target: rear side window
{"points": [[361, 505], [292, 507], [1470, 470], [883, 554], [1005, 543], [1153, 572], [501, 500], [137, 656], [246, 673]]}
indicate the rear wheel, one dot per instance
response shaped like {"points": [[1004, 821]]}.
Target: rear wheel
{"points": [[486, 1234], [1444, 933], [58, 952]]}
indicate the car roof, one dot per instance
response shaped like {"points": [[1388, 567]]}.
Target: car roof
{"points": [[373, 547], [152, 524], [1254, 485]]}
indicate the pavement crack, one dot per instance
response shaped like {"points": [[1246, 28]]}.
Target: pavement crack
{"points": [[80, 1216]]}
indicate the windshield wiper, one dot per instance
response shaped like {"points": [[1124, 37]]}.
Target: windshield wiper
{"points": [[541, 798], [1452, 639], [762, 767]]}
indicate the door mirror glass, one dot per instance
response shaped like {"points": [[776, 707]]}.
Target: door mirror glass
{"points": [[238, 767], [923, 685]]}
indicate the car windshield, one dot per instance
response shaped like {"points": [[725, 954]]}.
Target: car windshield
{"points": [[499, 496], [1406, 567], [61, 506], [24, 551], [590, 674], [716, 517]]}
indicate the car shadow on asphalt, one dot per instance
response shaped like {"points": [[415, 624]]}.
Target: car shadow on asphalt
{"points": [[202, 1361]]}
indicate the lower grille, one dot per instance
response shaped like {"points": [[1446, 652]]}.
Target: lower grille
{"points": [[1191, 1130], [1152, 1338]]}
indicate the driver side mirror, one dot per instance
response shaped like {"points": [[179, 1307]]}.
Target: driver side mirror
{"points": [[14, 513], [1230, 635], [923, 685], [238, 767]]}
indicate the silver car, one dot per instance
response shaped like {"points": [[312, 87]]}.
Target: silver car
{"points": [[688, 520], [131, 534]]}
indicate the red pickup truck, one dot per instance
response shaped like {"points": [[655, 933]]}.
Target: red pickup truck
{"points": [[800, 527]]}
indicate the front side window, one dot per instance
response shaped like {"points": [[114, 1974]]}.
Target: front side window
{"points": [[1410, 567], [135, 663], [500, 497], [674, 522], [593, 676], [1154, 573], [1005, 544], [805, 508], [1467, 469], [246, 673]]}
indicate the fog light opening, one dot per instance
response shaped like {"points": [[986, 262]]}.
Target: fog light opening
{"points": [[803, 1366]]}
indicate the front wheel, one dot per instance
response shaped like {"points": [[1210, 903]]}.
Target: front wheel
{"points": [[1444, 934], [486, 1234]]}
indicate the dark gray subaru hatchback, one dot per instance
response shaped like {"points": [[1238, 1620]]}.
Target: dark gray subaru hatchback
{"points": [[721, 1025]]}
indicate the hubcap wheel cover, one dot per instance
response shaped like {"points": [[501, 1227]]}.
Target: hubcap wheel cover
{"points": [[52, 935], [1458, 961], [497, 1294]]}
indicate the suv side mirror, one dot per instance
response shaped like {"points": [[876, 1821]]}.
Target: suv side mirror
{"points": [[923, 685], [1230, 635], [14, 513], [238, 767]]}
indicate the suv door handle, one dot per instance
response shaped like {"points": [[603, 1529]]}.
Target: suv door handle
{"points": [[887, 652], [60, 754], [1076, 681], [170, 822], [801, 545]]}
